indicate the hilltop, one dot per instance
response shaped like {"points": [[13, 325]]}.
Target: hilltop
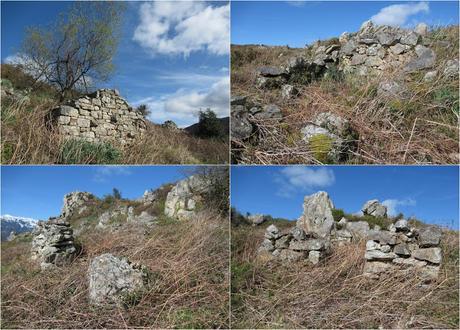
{"points": [[380, 95], [94, 128], [159, 261]]}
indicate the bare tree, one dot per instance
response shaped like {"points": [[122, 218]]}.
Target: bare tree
{"points": [[77, 49]]}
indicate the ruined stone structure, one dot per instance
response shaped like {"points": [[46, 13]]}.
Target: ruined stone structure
{"points": [[74, 202], [53, 243], [101, 116], [404, 248]]}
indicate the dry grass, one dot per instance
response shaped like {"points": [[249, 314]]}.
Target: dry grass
{"points": [[335, 294], [188, 264], [26, 139], [422, 129]]}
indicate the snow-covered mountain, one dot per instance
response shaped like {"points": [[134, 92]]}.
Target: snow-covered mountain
{"points": [[11, 223]]}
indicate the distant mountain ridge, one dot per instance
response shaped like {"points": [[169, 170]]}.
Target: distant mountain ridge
{"points": [[17, 224]]}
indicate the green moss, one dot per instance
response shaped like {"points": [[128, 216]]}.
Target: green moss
{"points": [[321, 145]]}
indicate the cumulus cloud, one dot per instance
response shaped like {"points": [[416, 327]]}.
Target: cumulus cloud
{"points": [[180, 28], [103, 173], [184, 105], [394, 204], [398, 15], [300, 178]]}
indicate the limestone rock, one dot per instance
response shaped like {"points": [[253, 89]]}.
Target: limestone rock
{"points": [[314, 257], [429, 236], [74, 203], [426, 59], [272, 232], [389, 89], [308, 245], [270, 72], [257, 219], [451, 69], [402, 249], [359, 229], [178, 205], [292, 256], [377, 267], [379, 255], [432, 255], [317, 215], [298, 234], [421, 29], [383, 237], [289, 91], [402, 225], [112, 278], [374, 208]]}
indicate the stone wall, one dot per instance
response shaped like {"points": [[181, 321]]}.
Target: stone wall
{"points": [[101, 116], [404, 248]]}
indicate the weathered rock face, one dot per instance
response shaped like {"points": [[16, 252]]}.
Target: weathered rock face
{"points": [[74, 203], [317, 215], [169, 124], [53, 244], [402, 250], [181, 201], [112, 278], [100, 116], [293, 245], [374, 208]]}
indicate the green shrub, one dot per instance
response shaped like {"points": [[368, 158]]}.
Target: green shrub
{"points": [[209, 125], [338, 214], [84, 152]]}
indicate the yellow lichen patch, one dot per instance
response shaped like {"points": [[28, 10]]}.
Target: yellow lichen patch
{"points": [[320, 145]]}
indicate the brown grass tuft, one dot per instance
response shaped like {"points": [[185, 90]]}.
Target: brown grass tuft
{"points": [[188, 264]]}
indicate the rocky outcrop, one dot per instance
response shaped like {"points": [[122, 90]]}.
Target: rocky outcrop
{"points": [[403, 249], [374, 208], [317, 216], [53, 244], [101, 116], [257, 219], [112, 279], [169, 124], [182, 200], [74, 203], [293, 245]]}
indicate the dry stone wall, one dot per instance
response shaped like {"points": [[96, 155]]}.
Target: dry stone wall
{"points": [[101, 116], [404, 248]]}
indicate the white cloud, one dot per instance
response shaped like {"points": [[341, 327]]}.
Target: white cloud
{"points": [[183, 27], [296, 3], [398, 15], [184, 105], [300, 178], [393, 204], [103, 173]]}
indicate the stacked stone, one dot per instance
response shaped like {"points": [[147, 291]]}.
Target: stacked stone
{"points": [[53, 243], [384, 47], [404, 247], [100, 116], [293, 245]]}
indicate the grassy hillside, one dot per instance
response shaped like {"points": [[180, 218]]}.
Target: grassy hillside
{"points": [[187, 269], [335, 294], [421, 129], [26, 139]]}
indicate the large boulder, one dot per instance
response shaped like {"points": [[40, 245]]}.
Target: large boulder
{"points": [[433, 255], [112, 278], [374, 208], [53, 244], [317, 215], [257, 219], [359, 229], [181, 201]]}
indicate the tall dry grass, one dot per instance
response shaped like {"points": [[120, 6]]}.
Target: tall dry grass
{"points": [[335, 294], [188, 271], [27, 139], [419, 129]]}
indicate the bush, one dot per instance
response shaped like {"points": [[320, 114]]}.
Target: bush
{"points": [[83, 152], [209, 125], [338, 214]]}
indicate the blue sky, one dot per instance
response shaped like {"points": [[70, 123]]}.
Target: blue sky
{"points": [[428, 192], [37, 191], [296, 23], [172, 56]]}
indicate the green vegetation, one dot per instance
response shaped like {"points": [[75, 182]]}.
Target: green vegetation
{"points": [[209, 125], [83, 152]]}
